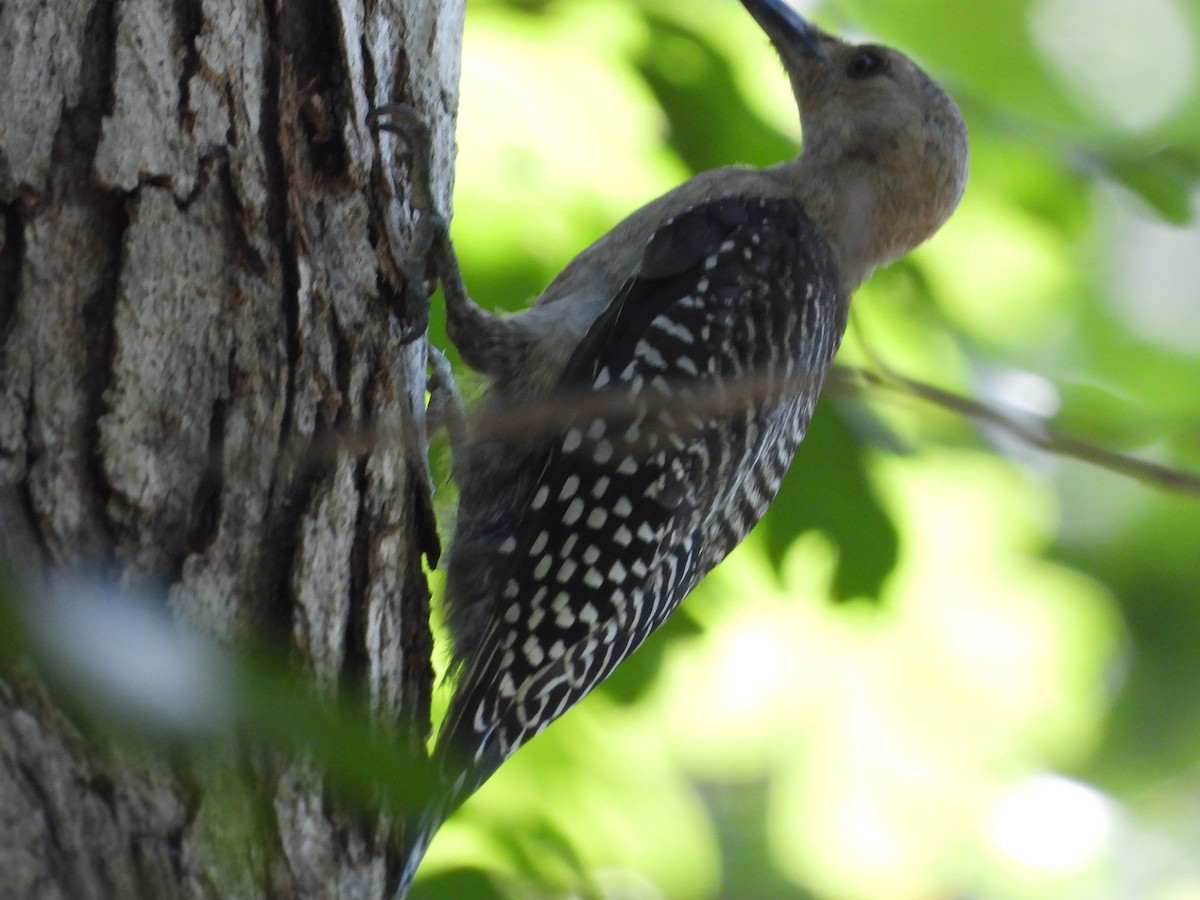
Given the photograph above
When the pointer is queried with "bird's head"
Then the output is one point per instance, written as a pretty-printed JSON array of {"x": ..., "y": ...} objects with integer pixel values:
[{"x": 890, "y": 144}]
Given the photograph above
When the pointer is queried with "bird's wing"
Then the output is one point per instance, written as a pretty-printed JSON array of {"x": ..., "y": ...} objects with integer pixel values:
[{"x": 690, "y": 393}]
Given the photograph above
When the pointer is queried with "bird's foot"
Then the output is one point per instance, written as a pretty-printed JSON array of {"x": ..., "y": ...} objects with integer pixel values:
[{"x": 414, "y": 150}]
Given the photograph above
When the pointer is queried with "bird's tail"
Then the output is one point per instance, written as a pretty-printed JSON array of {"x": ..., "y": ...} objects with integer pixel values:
[
  {"x": 417, "y": 837},
  {"x": 445, "y": 796}
]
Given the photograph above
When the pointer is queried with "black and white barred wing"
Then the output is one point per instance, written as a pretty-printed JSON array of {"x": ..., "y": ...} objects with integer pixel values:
[{"x": 690, "y": 395}]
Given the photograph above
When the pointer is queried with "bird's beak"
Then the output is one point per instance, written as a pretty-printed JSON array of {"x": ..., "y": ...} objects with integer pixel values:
[{"x": 788, "y": 30}]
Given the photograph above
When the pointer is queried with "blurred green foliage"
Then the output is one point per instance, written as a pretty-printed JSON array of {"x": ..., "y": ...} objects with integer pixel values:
[{"x": 946, "y": 664}]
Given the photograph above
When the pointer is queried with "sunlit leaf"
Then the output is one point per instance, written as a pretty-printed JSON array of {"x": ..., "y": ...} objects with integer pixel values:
[{"x": 827, "y": 488}]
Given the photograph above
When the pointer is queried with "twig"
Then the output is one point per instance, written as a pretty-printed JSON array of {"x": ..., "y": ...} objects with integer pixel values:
[{"x": 858, "y": 380}]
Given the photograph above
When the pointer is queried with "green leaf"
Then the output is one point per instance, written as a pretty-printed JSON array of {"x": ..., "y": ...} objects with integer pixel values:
[
  {"x": 828, "y": 488},
  {"x": 1166, "y": 179}
]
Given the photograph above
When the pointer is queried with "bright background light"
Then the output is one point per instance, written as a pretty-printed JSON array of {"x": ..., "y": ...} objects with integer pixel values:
[{"x": 1055, "y": 823}]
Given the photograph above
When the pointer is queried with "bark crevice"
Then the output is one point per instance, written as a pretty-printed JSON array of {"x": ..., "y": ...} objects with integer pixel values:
[
  {"x": 321, "y": 75},
  {"x": 12, "y": 251},
  {"x": 189, "y": 17},
  {"x": 206, "y": 520},
  {"x": 99, "y": 316}
]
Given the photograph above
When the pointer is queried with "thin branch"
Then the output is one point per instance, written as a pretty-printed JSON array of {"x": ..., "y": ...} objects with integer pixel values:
[
  {"x": 541, "y": 419},
  {"x": 859, "y": 380}
]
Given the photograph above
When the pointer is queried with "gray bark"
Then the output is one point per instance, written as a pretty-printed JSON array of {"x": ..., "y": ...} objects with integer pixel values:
[{"x": 198, "y": 355}]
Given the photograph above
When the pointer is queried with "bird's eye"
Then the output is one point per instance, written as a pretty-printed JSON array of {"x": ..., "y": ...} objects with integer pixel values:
[{"x": 866, "y": 63}]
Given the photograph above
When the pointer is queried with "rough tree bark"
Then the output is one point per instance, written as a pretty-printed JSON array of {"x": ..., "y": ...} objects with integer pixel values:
[{"x": 197, "y": 330}]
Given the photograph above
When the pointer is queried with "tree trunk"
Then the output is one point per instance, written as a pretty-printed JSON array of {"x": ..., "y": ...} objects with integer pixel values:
[{"x": 198, "y": 345}]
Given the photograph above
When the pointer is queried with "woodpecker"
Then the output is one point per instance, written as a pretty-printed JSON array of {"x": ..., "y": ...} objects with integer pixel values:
[{"x": 663, "y": 381}]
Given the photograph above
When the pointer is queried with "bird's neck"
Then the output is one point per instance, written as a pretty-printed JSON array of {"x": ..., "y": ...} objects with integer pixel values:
[
  {"x": 843, "y": 205},
  {"x": 848, "y": 201}
]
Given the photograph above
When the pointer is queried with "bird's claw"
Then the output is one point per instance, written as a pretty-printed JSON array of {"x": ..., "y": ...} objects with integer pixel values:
[
  {"x": 404, "y": 121},
  {"x": 416, "y": 139},
  {"x": 414, "y": 326}
]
